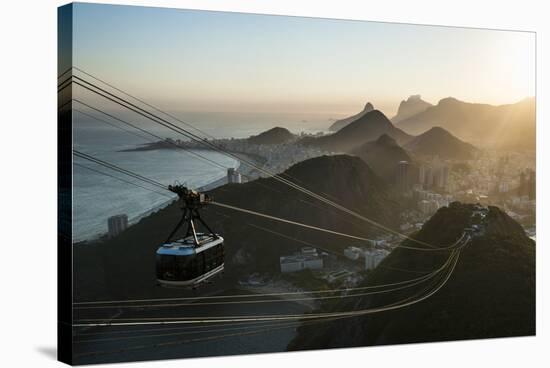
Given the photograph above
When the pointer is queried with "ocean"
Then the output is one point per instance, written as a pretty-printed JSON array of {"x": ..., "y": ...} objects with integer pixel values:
[{"x": 96, "y": 197}]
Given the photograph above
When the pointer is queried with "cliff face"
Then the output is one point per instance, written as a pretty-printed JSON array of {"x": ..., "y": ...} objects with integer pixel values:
[
  {"x": 491, "y": 292},
  {"x": 410, "y": 107},
  {"x": 125, "y": 266},
  {"x": 339, "y": 124}
]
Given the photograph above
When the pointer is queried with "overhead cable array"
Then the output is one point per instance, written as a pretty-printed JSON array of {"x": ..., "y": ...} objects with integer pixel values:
[{"x": 87, "y": 85}]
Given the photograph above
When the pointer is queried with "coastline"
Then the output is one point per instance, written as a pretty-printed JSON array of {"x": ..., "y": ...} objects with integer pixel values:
[{"x": 244, "y": 169}]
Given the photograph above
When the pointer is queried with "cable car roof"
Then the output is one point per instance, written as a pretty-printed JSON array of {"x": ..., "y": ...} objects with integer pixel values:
[{"x": 186, "y": 246}]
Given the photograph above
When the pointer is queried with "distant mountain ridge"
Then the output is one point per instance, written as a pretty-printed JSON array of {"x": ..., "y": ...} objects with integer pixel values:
[
  {"x": 275, "y": 135},
  {"x": 339, "y": 124},
  {"x": 367, "y": 128},
  {"x": 410, "y": 107},
  {"x": 439, "y": 142},
  {"x": 510, "y": 126}
]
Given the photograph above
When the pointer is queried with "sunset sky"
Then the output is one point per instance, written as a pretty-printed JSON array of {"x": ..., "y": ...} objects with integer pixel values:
[{"x": 214, "y": 61}]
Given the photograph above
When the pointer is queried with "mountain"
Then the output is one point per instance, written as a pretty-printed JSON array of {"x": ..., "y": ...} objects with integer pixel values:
[
  {"x": 439, "y": 142},
  {"x": 506, "y": 126},
  {"x": 124, "y": 266},
  {"x": 339, "y": 124},
  {"x": 382, "y": 156},
  {"x": 490, "y": 293},
  {"x": 275, "y": 135},
  {"x": 410, "y": 107},
  {"x": 367, "y": 128}
]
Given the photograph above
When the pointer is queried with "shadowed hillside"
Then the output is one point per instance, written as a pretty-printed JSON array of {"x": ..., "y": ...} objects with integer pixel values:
[
  {"x": 367, "y": 128},
  {"x": 505, "y": 126},
  {"x": 275, "y": 135},
  {"x": 125, "y": 266},
  {"x": 439, "y": 142},
  {"x": 491, "y": 292},
  {"x": 382, "y": 155}
]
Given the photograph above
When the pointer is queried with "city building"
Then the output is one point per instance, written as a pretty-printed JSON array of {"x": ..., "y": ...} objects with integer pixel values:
[
  {"x": 374, "y": 257},
  {"x": 434, "y": 175},
  {"x": 117, "y": 224},
  {"x": 424, "y": 206},
  {"x": 403, "y": 175},
  {"x": 308, "y": 258},
  {"x": 338, "y": 275},
  {"x": 309, "y": 251},
  {"x": 353, "y": 253},
  {"x": 233, "y": 176},
  {"x": 406, "y": 226},
  {"x": 442, "y": 177}
]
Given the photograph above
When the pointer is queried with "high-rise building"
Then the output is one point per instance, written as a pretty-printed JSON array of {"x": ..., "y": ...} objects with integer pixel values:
[
  {"x": 117, "y": 224},
  {"x": 403, "y": 175},
  {"x": 434, "y": 175},
  {"x": 298, "y": 262},
  {"x": 233, "y": 176},
  {"x": 532, "y": 185},
  {"x": 428, "y": 177},
  {"x": 421, "y": 174},
  {"x": 441, "y": 176}
]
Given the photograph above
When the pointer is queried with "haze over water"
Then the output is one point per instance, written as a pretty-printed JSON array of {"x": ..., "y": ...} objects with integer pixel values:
[{"x": 97, "y": 197}]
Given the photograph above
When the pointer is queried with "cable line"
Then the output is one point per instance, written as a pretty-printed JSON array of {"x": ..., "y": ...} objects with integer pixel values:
[
  {"x": 164, "y": 112},
  {"x": 287, "y": 221},
  {"x": 119, "y": 169},
  {"x": 242, "y": 296},
  {"x": 240, "y": 302},
  {"x": 194, "y": 137},
  {"x": 194, "y": 328},
  {"x": 186, "y": 150},
  {"x": 240, "y": 328},
  {"x": 145, "y": 103},
  {"x": 215, "y": 203},
  {"x": 203, "y": 320},
  {"x": 150, "y": 181},
  {"x": 65, "y": 72},
  {"x": 416, "y": 280},
  {"x": 112, "y": 124},
  {"x": 122, "y": 180}
]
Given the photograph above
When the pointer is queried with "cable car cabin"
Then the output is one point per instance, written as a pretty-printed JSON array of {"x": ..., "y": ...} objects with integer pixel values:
[{"x": 183, "y": 263}]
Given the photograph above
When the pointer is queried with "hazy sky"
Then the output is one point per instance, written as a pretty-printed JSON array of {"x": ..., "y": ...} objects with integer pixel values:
[{"x": 214, "y": 61}]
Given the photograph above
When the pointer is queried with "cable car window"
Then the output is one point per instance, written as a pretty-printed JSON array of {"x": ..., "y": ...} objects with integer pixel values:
[
  {"x": 166, "y": 266},
  {"x": 199, "y": 264}
]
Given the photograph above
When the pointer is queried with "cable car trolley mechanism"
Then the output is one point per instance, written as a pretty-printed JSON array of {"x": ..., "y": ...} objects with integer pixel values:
[{"x": 195, "y": 258}]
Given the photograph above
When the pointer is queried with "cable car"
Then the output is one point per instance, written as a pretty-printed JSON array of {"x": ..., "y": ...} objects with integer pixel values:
[{"x": 195, "y": 258}]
